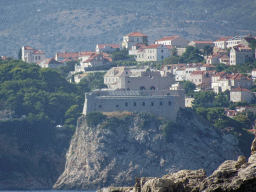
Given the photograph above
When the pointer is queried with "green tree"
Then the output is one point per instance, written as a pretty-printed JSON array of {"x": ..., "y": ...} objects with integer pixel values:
[
  {"x": 215, "y": 114},
  {"x": 221, "y": 100},
  {"x": 191, "y": 55},
  {"x": 203, "y": 99},
  {"x": 171, "y": 60},
  {"x": 95, "y": 118},
  {"x": 208, "y": 50},
  {"x": 243, "y": 119},
  {"x": 20, "y": 54},
  {"x": 189, "y": 87}
]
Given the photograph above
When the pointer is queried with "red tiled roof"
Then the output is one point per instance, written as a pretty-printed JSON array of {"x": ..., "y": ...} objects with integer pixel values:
[
  {"x": 102, "y": 46},
  {"x": 198, "y": 42},
  {"x": 73, "y": 55},
  {"x": 86, "y": 53},
  {"x": 153, "y": 46},
  {"x": 136, "y": 34},
  {"x": 235, "y": 76},
  {"x": 208, "y": 65},
  {"x": 202, "y": 72},
  {"x": 219, "y": 74},
  {"x": 239, "y": 89},
  {"x": 224, "y": 38},
  {"x": 168, "y": 38},
  {"x": 169, "y": 46},
  {"x": 88, "y": 60},
  {"x": 28, "y": 48}
]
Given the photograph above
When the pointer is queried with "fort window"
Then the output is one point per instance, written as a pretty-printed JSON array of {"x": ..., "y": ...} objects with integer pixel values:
[
  {"x": 143, "y": 104},
  {"x": 134, "y": 104},
  {"x": 152, "y": 103},
  {"x": 169, "y": 103},
  {"x": 126, "y": 72},
  {"x": 100, "y": 106},
  {"x": 161, "y": 103},
  {"x": 128, "y": 81},
  {"x": 152, "y": 88},
  {"x": 168, "y": 93},
  {"x": 117, "y": 105},
  {"x": 39, "y": 57},
  {"x": 162, "y": 57},
  {"x": 126, "y": 104},
  {"x": 142, "y": 88}
]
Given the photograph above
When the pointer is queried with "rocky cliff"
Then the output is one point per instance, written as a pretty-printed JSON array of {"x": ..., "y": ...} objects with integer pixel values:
[
  {"x": 35, "y": 168},
  {"x": 235, "y": 176},
  {"x": 114, "y": 155}
]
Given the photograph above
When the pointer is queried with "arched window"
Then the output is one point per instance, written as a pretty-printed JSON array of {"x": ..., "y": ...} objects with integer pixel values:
[
  {"x": 152, "y": 88},
  {"x": 142, "y": 88}
]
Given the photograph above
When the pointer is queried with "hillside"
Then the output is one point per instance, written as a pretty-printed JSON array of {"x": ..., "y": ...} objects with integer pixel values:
[{"x": 57, "y": 26}]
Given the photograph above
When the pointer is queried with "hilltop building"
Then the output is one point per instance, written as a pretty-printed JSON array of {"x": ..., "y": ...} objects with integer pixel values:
[
  {"x": 31, "y": 55},
  {"x": 241, "y": 94},
  {"x": 133, "y": 38},
  {"x": 201, "y": 44},
  {"x": 222, "y": 42},
  {"x": 66, "y": 56}
]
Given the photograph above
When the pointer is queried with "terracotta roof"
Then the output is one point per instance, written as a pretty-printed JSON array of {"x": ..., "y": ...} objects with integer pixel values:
[
  {"x": 168, "y": 38},
  {"x": 169, "y": 46},
  {"x": 249, "y": 38},
  {"x": 73, "y": 55},
  {"x": 28, "y": 48},
  {"x": 85, "y": 53},
  {"x": 102, "y": 46},
  {"x": 224, "y": 38},
  {"x": 224, "y": 57},
  {"x": 202, "y": 72},
  {"x": 153, "y": 46},
  {"x": 88, "y": 60},
  {"x": 239, "y": 89},
  {"x": 117, "y": 71},
  {"x": 136, "y": 34},
  {"x": 208, "y": 65},
  {"x": 219, "y": 74}
]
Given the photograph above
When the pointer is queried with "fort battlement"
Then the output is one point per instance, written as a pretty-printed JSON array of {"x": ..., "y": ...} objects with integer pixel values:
[{"x": 164, "y": 103}]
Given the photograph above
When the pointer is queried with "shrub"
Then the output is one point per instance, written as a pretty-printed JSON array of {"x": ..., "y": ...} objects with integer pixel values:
[
  {"x": 146, "y": 118},
  {"x": 95, "y": 118}
]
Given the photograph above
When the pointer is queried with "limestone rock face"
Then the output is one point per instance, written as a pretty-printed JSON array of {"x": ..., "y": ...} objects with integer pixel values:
[
  {"x": 103, "y": 157},
  {"x": 235, "y": 176}
]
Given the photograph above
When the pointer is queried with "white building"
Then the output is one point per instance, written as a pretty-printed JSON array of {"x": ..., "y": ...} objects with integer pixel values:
[
  {"x": 174, "y": 41},
  {"x": 153, "y": 52},
  {"x": 135, "y": 48},
  {"x": 31, "y": 55},
  {"x": 241, "y": 94},
  {"x": 222, "y": 42},
  {"x": 234, "y": 41},
  {"x": 201, "y": 44}
]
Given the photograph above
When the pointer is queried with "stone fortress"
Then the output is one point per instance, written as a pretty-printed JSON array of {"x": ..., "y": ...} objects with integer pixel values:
[{"x": 137, "y": 91}]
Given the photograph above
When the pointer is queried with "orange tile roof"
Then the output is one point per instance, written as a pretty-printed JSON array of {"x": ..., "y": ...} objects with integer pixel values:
[
  {"x": 239, "y": 89},
  {"x": 224, "y": 38},
  {"x": 168, "y": 38},
  {"x": 102, "y": 46},
  {"x": 49, "y": 61},
  {"x": 198, "y": 42},
  {"x": 86, "y": 53},
  {"x": 28, "y": 48},
  {"x": 219, "y": 74},
  {"x": 136, "y": 34},
  {"x": 235, "y": 76}
]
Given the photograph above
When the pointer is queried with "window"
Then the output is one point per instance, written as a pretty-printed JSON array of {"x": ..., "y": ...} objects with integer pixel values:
[
  {"x": 143, "y": 104},
  {"x": 117, "y": 105},
  {"x": 169, "y": 103},
  {"x": 128, "y": 81},
  {"x": 126, "y": 104},
  {"x": 39, "y": 57},
  {"x": 162, "y": 57},
  {"x": 161, "y": 103},
  {"x": 100, "y": 106},
  {"x": 152, "y": 103},
  {"x": 199, "y": 80},
  {"x": 126, "y": 72},
  {"x": 134, "y": 104},
  {"x": 152, "y": 88},
  {"x": 36, "y": 57},
  {"x": 162, "y": 51},
  {"x": 142, "y": 88}
]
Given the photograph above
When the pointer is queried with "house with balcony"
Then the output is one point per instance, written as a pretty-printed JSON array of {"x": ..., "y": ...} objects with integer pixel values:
[{"x": 133, "y": 38}]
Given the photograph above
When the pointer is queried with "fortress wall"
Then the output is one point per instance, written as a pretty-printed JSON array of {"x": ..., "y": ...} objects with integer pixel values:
[{"x": 164, "y": 106}]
